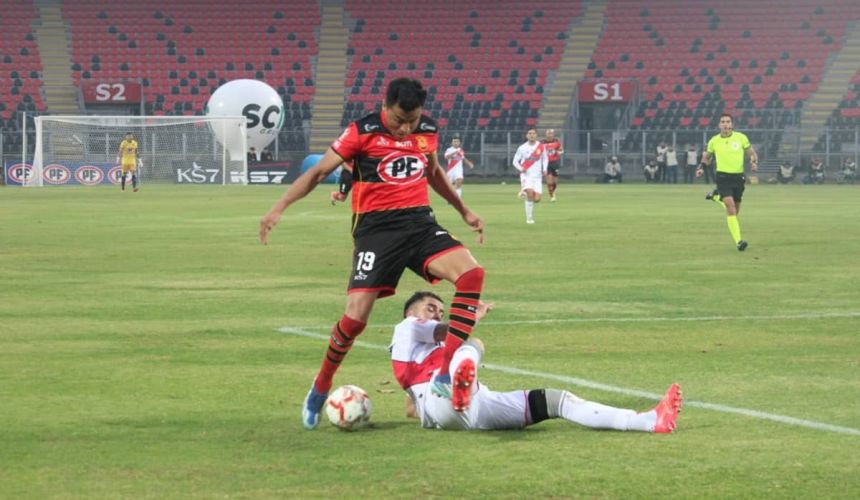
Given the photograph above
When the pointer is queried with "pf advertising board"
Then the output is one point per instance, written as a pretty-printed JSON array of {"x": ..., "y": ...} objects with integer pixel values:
[{"x": 66, "y": 173}]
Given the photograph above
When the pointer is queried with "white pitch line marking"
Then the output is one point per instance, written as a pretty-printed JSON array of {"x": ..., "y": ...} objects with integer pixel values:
[
  {"x": 776, "y": 317},
  {"x": 799, "y": 422}
]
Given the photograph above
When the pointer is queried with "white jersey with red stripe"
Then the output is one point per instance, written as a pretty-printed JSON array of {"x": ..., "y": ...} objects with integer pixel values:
[
  {"x": 416, "y": 356},
  {"x": 455, "y": 157},
  {"x": 414, "y": 351},
  {"x": 531, "y": 160}
]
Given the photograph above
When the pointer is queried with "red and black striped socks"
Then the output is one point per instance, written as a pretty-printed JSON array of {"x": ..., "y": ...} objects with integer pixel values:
[
  {"x": 461, "y": 318},
  {"x": 343, "y": 334}
]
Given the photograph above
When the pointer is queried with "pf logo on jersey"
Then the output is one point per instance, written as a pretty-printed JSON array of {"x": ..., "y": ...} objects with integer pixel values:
[{"x": 402, "y": 168}]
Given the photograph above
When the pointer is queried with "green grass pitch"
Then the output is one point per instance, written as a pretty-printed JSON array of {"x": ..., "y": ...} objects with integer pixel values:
[{"x": 141, "y": 357}]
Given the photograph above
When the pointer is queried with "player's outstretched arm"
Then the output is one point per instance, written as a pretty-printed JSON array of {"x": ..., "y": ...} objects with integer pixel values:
[
  {"x": 298, "y": 190},
  {"x": 439, "y": 182}
]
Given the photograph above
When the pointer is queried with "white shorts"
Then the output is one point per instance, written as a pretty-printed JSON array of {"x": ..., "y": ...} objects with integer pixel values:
[
  {"x": 455, "y": 173},
  {"x": 488, "y": 410},
  {"x": 531, "y": 181}
]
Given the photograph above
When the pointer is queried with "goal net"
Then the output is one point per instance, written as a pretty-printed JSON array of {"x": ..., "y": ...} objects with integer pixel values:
[{"x": 175, "y": 149}]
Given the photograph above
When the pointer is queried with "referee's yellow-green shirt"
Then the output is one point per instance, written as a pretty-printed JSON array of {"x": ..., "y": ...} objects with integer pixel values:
[{"x": 729, "y": 152}]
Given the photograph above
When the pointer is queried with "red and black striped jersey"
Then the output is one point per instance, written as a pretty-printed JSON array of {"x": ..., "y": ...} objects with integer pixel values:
[
  {"x": 389, "y": 175},
  {"x": 552, "y": 149}
]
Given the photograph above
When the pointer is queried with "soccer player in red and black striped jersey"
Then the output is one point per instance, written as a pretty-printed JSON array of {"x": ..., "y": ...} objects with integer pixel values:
[
  {"x": 553, "y": 156},
  {"x": 393, "y": 153}
]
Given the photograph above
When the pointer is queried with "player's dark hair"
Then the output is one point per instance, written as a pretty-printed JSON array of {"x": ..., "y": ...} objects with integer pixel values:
[
  {"x": 729, "y": 115},
  {"x": 417, "y": 297},
  {"x": 408, "y": 93}
]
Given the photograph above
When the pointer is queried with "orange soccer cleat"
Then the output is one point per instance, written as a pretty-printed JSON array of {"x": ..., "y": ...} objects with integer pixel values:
[
  {"x": 667, "y": 410},
  {"x": 461, "y": 390}
]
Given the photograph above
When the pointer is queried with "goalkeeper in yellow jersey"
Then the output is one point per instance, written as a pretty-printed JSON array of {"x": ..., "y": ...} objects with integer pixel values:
[{"x": 129, "y": 159}]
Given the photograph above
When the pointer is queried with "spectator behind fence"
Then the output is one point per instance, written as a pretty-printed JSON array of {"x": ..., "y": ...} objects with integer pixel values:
[
  {"x": 661, "y": 160},
  {"x": 671, "y": 173},
  {"x": 266, "y": 155},
  {"x": 785, "y": 174},
  {"x": 612, "y": 171},
  {"x": 691, "y": 164},
  {"x": 815, "y": 175},
  {"x": 849, "y": 172},
  {"x": 650, "y": 170}
]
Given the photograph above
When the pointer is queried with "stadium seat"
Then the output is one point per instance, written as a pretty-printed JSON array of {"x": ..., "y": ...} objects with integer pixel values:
[
  {"x": 20, "y": 66},
  {"x": 174, "y": 43},
  {"x": 476, "y": 56},
  {"x": 747, "y": 51}
]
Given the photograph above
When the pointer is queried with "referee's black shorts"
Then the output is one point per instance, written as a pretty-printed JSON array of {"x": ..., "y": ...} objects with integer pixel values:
[{"x": 731, "y": 185}]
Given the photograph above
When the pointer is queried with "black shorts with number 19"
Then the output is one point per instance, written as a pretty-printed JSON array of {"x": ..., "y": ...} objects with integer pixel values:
[{"x": 411, "y": 240}]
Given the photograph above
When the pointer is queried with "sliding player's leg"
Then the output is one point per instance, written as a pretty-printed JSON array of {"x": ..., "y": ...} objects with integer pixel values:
[
  {"x": 661, "y": 419},
  {"x": 458, "y": 266}
]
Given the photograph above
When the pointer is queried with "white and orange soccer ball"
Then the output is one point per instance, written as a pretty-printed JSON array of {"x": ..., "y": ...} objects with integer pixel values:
[{"x": 348, "y": 407}]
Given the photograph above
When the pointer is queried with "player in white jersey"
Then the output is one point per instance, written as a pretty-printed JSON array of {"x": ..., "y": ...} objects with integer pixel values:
[
  {"x": 416, "y": 355},
  {"x": 531, "y": 162},
  {"x": 456, "y": 157}
]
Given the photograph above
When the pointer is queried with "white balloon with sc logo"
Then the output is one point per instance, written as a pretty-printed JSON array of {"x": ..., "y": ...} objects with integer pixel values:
[{"x": 259, "y": 103}]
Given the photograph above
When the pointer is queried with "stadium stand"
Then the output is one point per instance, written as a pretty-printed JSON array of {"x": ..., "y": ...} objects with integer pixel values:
[
  {"x": 21, "y": 70},
  {"x": 490, "y": 52},
  {"x": 486, "y": 64},
  {"x": 694, "y": 60},
  {"x": 183, "y": 50},
  {"x": 845, "y": 119}
]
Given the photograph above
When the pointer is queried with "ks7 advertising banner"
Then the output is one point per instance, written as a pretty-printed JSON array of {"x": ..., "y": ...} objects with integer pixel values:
[{"x": 276, "y": 172}]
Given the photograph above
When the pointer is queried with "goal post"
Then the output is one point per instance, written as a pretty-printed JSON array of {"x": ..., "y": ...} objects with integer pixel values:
[{"x": 173, "y": 149}]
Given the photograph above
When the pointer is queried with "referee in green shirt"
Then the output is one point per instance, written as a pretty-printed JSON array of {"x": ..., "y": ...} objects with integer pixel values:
[{"x": 729, "y": 148}]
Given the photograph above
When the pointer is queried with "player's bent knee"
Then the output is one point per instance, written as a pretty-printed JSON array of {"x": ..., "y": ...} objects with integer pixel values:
[{"x": 473, "y": 279}]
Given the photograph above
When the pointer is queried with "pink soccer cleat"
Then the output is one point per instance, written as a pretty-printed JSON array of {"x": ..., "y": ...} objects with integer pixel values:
[
  {"x": 667, "y": 410},
  {"x": 461, "y": 390}
]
